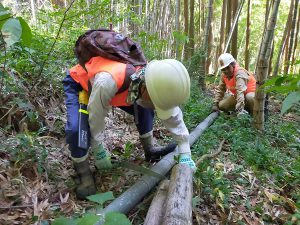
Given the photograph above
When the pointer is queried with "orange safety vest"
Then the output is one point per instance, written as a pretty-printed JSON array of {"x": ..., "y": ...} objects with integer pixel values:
[
  {"x": 100, "y": 64},
  {"x": 230, "y": 84}
]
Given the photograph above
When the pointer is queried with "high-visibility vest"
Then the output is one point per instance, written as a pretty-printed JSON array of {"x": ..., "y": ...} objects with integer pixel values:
[
  {"x": 230, "y": 84},
  {"x": 100, "y": 64}
]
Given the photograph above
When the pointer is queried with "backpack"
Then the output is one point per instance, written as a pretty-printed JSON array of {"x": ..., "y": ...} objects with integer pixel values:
[{"x": 108, "y": 44}]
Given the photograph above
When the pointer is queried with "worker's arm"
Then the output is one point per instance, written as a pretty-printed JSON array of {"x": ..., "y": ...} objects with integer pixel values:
[
  {"x": 242, "y": 79},
  {"x": 220, "y": 91},
  {"x": 104, "y": 89},
  {"x": 180, "y": 133}
]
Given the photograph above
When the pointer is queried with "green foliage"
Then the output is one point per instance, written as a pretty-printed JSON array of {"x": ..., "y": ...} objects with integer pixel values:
[
  {"x": 101, "y": 198},
  {"x": 110, "y": 218},
  {"x": 286, "y": 84},
  {"x": 13, "y": 30},
  {"x": 25, "y": 149},
  {"x": 193, "y": 63}
]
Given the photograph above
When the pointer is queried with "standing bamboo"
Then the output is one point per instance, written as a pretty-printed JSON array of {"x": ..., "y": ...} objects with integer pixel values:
[
  {"x": 296, "y": 42},
  {"x": 247, "y": 48},
  {"x": 186, "y": 27},
  {"x": 283, "y": 40},
  {"x": 222, "y": 34},
  {"x": 177, "y": 26},
  {"x": 262, "y": 69},
  {"x": 191, "y": 28},
  {"x": 235, "y": 31},
  {"x": 203, "y": 59},
  {"x": 292, "y": 35}
]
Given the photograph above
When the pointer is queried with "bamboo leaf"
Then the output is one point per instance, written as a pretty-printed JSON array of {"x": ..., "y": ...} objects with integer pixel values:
[{"x": 102, "y": 197}]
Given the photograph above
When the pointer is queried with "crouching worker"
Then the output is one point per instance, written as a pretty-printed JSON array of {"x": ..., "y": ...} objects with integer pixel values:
[
  {"x": 240, "y": 84},
  {"x": 161, "y": 85}
]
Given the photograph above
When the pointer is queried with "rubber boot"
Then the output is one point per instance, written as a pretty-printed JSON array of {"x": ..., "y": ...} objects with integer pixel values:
[
  {"x": 154, "y": 153},
  {"x": 85, "y": 180}
]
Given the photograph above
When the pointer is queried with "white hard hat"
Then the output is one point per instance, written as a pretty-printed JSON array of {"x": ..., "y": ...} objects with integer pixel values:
[
  {"x": 168, "y": 85},
  {"x": 224, "y": 60}
]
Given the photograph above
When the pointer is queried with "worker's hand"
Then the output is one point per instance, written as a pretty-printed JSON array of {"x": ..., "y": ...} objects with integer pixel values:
[
  {"x": 242, "y": 113},
  {"x": 102, "y": 158},
  {"x": 187, "y": 159},
  {"x": 215, "y": 108}
]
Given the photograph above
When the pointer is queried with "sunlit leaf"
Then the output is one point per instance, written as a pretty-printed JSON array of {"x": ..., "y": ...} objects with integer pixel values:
[
  {"x": 289, "y": 101},
  {"x": 114, "y": 218},
  {"x": 26, "y": 32},
  {"x": 63, "y": 221},
  {"x": 11, "y": 31},
  {"x": 102, "y": 197},
  {"x": 279, "y": 81},
  {"x": 88, "y": 219}
]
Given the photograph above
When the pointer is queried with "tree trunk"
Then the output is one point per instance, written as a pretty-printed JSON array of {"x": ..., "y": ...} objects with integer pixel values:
[
  {"x": 157, "y": 208},
  {"x": 178, "y": 205},
  {"x": 228, "y": 18},
  {"x": 262, "y": 69},
  {"x": 247, "y": 47},
  {"x": 154, "y": 16},
  {"x": 268, "y": 9},
  {"x": 32, "y": 6},
  {"x": 202, "y": 4},
  {"x": 192, "y": 28},
  {"x": 222, "y": 34},
  {"x": 292, "y": 35},
  {"x": 283, "y": 41},
  {"x": 186, "y": 27},
  {"x": 177, "y": 26},
  {"x": 203, "y": 58},
  {"x": 235, "y": 22},
  {"x": 235, "y": 31},
  {"x": 296, "y": 42}
]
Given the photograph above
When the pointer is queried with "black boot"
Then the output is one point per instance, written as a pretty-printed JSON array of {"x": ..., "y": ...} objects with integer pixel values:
[
  {"x": 153, "y": 153},
  {"x": 85, "y": 182}
]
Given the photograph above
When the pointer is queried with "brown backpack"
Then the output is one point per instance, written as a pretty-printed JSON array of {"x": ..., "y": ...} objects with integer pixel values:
[{"x": 108, "y": 44}]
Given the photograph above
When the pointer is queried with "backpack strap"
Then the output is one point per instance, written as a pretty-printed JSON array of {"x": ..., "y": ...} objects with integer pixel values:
[{"x": 130, "y": 69}]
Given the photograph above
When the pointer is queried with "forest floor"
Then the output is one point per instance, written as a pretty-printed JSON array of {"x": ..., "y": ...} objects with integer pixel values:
[{"x": 37, "y": 186}]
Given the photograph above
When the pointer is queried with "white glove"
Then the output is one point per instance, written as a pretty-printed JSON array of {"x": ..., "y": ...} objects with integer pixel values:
[
  {"x": 243, "y": 112},
  {"x": 102, "y": 158},
  {"x": 186, "y": 159}
]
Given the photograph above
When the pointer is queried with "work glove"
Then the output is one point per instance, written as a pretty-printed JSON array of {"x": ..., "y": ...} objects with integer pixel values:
[
  {"x": 102, "y": 158},
  {"x": 215, "y": 108},
  {"x": 242, "y": 113},
  {"x": 186, "y": 159}
]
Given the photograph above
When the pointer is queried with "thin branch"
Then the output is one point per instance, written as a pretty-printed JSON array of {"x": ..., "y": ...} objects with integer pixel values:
[
  {"x": 212, "y": 155},
  {"x": 8, "y": 112},
  {"x": 52, "y": 47},
  {"x": 4, "y": 64}
]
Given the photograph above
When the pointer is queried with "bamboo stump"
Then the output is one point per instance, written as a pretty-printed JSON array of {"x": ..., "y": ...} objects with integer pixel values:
[
  {"x": 178, "y": 206},
  {"x": 156, "y": 211}
]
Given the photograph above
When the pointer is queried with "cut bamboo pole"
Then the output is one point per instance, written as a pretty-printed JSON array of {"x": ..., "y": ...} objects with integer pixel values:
[
  {"x": 157, "y": 209},
  {"x": 130, "y": 198},
  {"x": 178, "y": 206}
]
